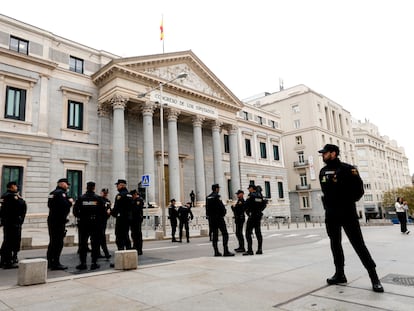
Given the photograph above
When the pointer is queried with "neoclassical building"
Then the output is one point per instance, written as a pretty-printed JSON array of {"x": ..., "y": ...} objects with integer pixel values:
[{"x": 68, "y": 110}]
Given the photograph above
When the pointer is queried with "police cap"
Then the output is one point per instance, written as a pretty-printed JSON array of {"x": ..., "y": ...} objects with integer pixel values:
[
  {"x": 215, "y": 186},
  {"x": 65, "y": 180},
  {"x": 239, "y": 191},
  {"x": 121, "y": 181},
  {"x": 12, "y": 183},
  {"x": 329, "y": 148}
]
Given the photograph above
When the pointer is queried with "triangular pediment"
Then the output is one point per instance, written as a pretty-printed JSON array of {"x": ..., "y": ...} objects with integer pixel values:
[{"x": 150, "y": 70}]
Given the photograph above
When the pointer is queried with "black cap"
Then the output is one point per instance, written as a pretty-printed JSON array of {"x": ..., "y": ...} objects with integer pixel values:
[
  {"x": 172, "y": 200},
  {"x": 239, "y": 191},
  {"x": 63, "y": 180},
  {"x": 133, "y": 191},
  {"x": 90, "y": 184},
  {"x": 252, "y": 186},
  {"x": 105, "y": 190},
  {"x": 215, "y": 186},
  {"x": 121, "y": 181},
  {"x": 9, "y": 184},
  {"x": 329, "y": 148}
]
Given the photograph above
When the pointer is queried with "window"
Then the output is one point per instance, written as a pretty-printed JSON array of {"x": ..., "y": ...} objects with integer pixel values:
[
  {"x": 229, "y": 189},
  {"x": 303, "y": 180},
  {"x": 273, "y": 124},
  {"x": 298, "y": 140},
  {"x": 76, "y": 64},
  {"x": 305, "y": 202},
  {"x": 296, "y": 124},
  {"x": 276, "y": 156},
  {"x": 226, "y": 143},
  {"x": 259, "y": 120},
  {"x": 367, "y": 197},
  {"x": 295, "y": 109},
  {"x": 301, "y": 157},
  {"x": 263, "y": 153},
  {"x": 245, "y": 115},
  {"x": 75, "y": 115},
  {"x": 11, "y": 173},
  {"x": 15, "y": 103},
  {"x": 248, "y": 147},
  {"x": 75, "y": 179},
  {"x": 280, "y": 189},
  {"x": 267, "y": 189},
  {"x": 19, "y": 45}
]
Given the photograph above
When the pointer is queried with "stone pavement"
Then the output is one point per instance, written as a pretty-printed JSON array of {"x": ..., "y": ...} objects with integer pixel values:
[{"x": 288, "y": 278}]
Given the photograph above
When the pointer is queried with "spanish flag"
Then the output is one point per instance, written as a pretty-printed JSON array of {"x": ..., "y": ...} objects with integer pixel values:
[{"x": 162, "y": 29}]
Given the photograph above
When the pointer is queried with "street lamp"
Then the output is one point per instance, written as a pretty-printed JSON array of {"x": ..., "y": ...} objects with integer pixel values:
[{"x": 162, "y": 188}]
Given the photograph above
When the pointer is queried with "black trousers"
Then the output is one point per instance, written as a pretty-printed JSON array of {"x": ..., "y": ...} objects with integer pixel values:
[
  {"x": 239, "y": 230},
  {"x": 136, "y": 234},
  {"x": 254, "y": 222},
  {"x": 402, "y": 218},
  {"x": 57, "y": 233},
  {"x": 184, "y": 225},
  {"x": 353, "y": 231},
  {"x": 12, "y": 234},
  {"x": 122, "y": 239},
  {"x": 216, "y": 225},
  {"x": 85, "y": 232},
  {"x": 173, "y": 227}
]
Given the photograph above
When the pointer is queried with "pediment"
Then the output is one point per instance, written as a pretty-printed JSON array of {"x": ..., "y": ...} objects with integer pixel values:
[{"x": 151, "y": 70}]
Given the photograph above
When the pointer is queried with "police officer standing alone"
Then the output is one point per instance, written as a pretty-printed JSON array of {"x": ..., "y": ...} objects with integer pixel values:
[
  {"x": 215, "y": 211},
  {"x": 122, "y": 211},
  {"x": 342, "y": 187},
  {"x": 173, "y": 215},
  {"x": 91, "y": 211},
  {"x": 255, "y": 204},
  {"x": 12, "y": 214},
  {"x": 184, "y": 215},
  {"x": 239, "y": 219},
  {"x": 137, "y": 217},
  {"x": 59, "y": 207}
]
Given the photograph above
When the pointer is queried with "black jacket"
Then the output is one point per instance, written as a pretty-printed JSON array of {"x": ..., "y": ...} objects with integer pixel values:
[
  {"x": 13, "y": 209},
  {"x": 215, "y": 208},
  {"x": 90, "y": 209},
  {"x": 59, "y": 206}
]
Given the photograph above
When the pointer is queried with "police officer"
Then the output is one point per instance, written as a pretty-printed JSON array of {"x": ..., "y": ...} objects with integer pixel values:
[
  {"x": 173, "y": 215},
  {"x": 184, "y": 215},
  {"x": 342, "y": 187},
  {"x": 91, "y": 211},
  {"x": 122, "y": 211},
  {"x": 59, "y": 207},
  {"x": 137, "y": 217},
  {"x": 215, "y": 211},
  {"x": 255, "y": 204},
  {"x": 239, "y": 219},
  {"x": 104, "y": 196},
  {"x": 13, "y": 211}
]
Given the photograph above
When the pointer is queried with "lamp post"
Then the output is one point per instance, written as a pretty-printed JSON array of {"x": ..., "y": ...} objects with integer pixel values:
[{"x": 162, "y": 188}]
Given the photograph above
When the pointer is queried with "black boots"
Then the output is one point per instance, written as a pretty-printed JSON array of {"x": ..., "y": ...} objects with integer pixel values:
[
  {"x": 337, "y": 278},
  {"x": 376, "y": 284}
]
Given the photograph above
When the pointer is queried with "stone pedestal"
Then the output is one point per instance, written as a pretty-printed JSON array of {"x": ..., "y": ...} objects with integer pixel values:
[
  {"x": 69, "y": 240},
  {"x": 26, "y": 243},
  {"x": 204, "y": 232},
  {"x": 126, "y": 259},
  {"x": 32, "y": 271},
  {"x": 159, "y": 235}
]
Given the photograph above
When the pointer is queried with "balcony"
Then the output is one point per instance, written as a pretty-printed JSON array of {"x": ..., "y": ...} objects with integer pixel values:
[
  {"x": 299, "y": 164},
  {"x": 303, "y": 187}
]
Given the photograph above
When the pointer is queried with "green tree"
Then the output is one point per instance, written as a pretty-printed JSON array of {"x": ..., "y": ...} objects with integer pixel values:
[{"x": 407, "y": 193}]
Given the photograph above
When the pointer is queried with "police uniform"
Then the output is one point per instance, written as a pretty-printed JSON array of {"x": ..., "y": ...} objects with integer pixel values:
[
  {"x": 122, "y": 211},
  {"x": 104, "y": 223},
  {"x": 215, "y": 212},
  {"x": 239, "y": 219},
  {"x": 342, "y": 187},
  {"x": 90, "y": 210},
  {"x": 173, "y": 215},
  {"x": 13, "y": 211},
  {"x": 184, "y": 214},
  {"x": 59, "y": 207},
  {"x": 254, "y": 206},
  {"x": 137, "y": 216}
]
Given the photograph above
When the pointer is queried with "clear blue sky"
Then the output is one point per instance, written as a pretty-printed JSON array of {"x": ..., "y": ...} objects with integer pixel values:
[{"x": 360, "y": 54}]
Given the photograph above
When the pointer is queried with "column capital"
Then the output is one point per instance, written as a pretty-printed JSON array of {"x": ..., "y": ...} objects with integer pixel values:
[
  {"x": 232, "y": 128},
  {"x": 118, "y": 101},
  {"x": 198, "y": 120},
  {"x": 148, "y": 108},
  {"x": 216, "y": 125},
  {"x": 103, "y": 109},
  {"x": 173, "y": 114}
]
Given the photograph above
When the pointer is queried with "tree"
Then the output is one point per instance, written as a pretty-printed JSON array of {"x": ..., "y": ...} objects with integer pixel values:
[{"x": 391, "y": 196}]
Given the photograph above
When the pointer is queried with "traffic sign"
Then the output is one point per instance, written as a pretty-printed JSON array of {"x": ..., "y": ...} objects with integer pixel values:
[{"x": 145, "y": 180}]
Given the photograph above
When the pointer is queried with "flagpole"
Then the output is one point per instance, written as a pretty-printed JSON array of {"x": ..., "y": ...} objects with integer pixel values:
[{"x": 162, "y": 32}]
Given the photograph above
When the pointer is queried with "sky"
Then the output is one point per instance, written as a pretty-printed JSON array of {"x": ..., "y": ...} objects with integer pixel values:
[{"x": 358, "y": 53}]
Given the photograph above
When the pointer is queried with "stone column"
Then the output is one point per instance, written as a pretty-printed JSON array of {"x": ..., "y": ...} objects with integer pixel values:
[
  {"x": 148, "y": 148},
  {"x": 173, "y": 156},
  {"x": 217, "y": 154},
  {"x": 118, "y": 137},
  {"x": 234, "y": 158},
  {"x": 200, "y": 179}
]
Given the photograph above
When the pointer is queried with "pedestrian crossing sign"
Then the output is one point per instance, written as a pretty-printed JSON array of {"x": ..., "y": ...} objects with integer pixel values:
[{"x": 145, "y": 181}]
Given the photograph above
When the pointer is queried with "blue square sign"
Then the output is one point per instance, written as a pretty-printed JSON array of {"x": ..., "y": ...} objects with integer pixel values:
[{"x": 145, "y": 181}]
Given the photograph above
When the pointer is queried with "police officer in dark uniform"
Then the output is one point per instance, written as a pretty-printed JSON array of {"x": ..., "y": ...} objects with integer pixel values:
[
  {"x": 59, "y": 207},
  {"x": 255, "y": 204},
  {"x": 136, "y": 221},
  {"x": 104, "y": 246},
  {"x": 12, "y": 214},
  {"x": 173, "y": 215},
  {"x": 215, "y": 212},
  {"x": 239, "y": 219},
  {"x": 90, "y": 210},
  {"x": 342, "y": 187},
  {"x": 122, "y": 211},
  {"x": 184, "y": 215}
]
